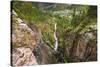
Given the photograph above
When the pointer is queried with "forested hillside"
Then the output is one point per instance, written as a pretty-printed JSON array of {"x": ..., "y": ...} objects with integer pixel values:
[{"x": 54, "y": 33}]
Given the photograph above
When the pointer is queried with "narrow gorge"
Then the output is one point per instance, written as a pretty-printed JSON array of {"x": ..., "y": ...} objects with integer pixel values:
[{"x": 49, "y": 33}]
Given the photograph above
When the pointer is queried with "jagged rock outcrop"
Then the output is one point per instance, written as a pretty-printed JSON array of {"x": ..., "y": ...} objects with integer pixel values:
[
  {"x": 23, "y": 57},
  {"x": 82, "y": 47},
  {"x": 24, "y": 40},
  {"x": 22, "y": 34},
  {"x": 27, "y": 45}
]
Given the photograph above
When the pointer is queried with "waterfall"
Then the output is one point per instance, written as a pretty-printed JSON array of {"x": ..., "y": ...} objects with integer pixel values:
[{"x": 55, "y": 38}]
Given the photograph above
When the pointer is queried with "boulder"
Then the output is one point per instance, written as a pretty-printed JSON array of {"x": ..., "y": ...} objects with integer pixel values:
[{"x": 23, "y": 57}]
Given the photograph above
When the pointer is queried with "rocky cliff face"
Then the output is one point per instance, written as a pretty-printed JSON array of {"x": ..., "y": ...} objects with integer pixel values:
[
  {"x": 24, "y": 40},
  {"x": 27, "y": 45},
  {"x": 82, "y": 47},
  {"x": 22, "y": 34}
]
